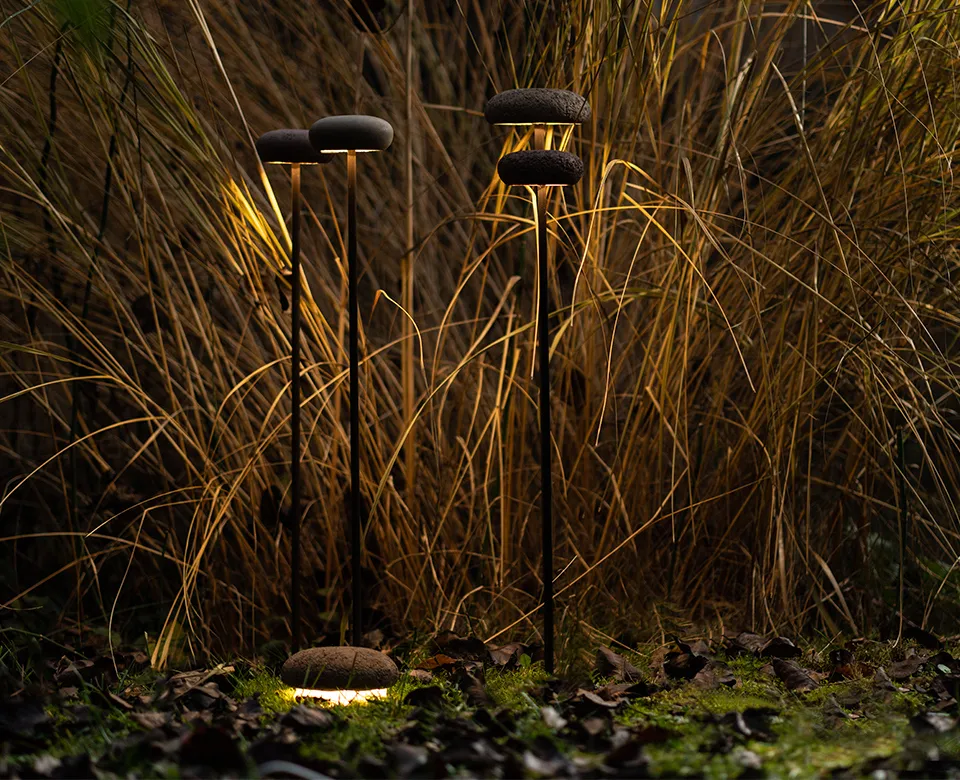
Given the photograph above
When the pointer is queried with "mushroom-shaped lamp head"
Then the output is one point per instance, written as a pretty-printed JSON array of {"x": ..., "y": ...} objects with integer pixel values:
[
  {"x": 539, "y": 168},
  {"x": 339, "y": 674},
  {"x": 351, "y": 133},
  {"x": 537, "y": 107},
  {"x": 287, "y": 147}
]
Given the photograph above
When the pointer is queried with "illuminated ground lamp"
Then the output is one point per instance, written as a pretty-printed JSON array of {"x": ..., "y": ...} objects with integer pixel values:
[
  {"x": 538, "y": 169},
  {"x": 341, "y": 675},
  {"x": 293, "y": 148},
  {"x": 352, "y": 135}
]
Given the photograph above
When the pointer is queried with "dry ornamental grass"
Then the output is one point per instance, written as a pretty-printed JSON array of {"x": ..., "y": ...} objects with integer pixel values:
[{"x": 754, "y": 319}]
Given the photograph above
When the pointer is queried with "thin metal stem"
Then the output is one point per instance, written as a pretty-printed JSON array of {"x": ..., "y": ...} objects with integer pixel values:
[
  {"x": 357, "y": 632},
  {"x": 407, "y": 277},
  {"x": 295, "y": 411},
  {"x": 546, "y": 471}
]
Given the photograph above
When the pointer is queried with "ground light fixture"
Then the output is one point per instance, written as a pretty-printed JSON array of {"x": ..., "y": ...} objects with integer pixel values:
[
  {"x": 341, "y": 675},
  {"x": 353, "y": 135},
  {"x": 538, "y": 169},
  {"x": 293, "y": 148}
]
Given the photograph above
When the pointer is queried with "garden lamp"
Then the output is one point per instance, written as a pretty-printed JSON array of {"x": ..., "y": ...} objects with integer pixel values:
[
  {"x": 537, "y": 107},
  {"x": 293, "y": 148},
  {"x": 538, "y": 169},
  {"x": 353, "y": 135},
  {"x": 341, "y": 675}
]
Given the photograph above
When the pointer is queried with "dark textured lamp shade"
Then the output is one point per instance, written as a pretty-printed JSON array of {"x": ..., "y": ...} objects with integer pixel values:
[
  {"x": 540, "y": 167},
  {"x": 537, "y": 107},
  {"x": 339, "y": 674},
  {"x": 287, "y": 147},
  {"x": 351, "y": 132}
]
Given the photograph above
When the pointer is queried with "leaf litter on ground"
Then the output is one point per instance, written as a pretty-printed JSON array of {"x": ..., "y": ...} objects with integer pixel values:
[{"x": 739, "y": 705}]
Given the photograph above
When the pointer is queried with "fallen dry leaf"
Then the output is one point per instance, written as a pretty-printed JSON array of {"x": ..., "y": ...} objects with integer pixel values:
[
  {"x": 215, "y": 748},
  {"x": 744, "y": 643},
  {"x": 439, "y": 661},
  {"x": 780, "y": 647},
  {"x": 793, "y": 676},
  {"x": 625, "y": 690},
  {"x": 683, "y": 663},
  {"x": 509, "y": 655},
  {"x": 714, "y": 675},
  {"x": 470, "y": 648},
  {"x": 472, "y": 688},
  {"x": 609, "y": 663},
  {"x": 307, "y": 719},
  {"x": 552, "y": 718},
  {"x": 150, "y": 720},
  {"x": 430, "y": 696},
  {"x": 901, "y": 670},
  {"x": 421, "y": 675}
]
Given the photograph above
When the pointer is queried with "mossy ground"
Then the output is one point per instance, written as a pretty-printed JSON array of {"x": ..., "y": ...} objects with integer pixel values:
[
  {"x": 808, "y": 738},
  {"x": 842, "y": 726}
]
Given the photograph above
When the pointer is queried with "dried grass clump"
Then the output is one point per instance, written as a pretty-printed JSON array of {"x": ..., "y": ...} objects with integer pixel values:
[{"x": 753, "y": 304}]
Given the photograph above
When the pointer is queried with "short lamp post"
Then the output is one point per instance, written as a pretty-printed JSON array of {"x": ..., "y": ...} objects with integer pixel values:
[
  {"x": 352, "y": 135},
  {"x": 293, "y": 148},
  {"x": 538, "y": 169}
]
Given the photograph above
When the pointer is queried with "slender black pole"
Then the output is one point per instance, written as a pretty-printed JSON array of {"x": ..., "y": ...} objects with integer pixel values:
[
  {"x": 357, "y": 631},
  {"x": 546, "y": 472},
  {"x": 295, "y": 412}
]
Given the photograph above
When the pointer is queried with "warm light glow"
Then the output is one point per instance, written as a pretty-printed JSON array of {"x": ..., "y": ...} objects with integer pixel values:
[
  {"x": 245, "y": 217},
  {"x": 341, "y": 697},
  {"x": 346, "y": 151}
]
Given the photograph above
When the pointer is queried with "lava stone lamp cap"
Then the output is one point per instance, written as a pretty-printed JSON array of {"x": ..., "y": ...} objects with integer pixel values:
[
  {"x": 287, "y": 147},
  {"x": 537, "y": 107},
  {"x": 339, "y": 668},
  {"x": 540, "y": 167},
  {"x": 352, "y": 132}
]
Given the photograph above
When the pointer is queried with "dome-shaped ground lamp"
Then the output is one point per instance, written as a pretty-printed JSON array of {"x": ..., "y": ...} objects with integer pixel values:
[
  {"x": 352, "y": 135},
  {"x": 293, "y": 148},
  {"x": 341, "y": 675}
]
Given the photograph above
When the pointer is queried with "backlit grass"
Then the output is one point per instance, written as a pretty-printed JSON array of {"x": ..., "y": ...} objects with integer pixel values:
[{"x": 753, "y": 318}]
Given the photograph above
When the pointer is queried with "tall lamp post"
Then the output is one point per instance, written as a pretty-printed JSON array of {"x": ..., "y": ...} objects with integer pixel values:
[
  {"x": 538, "y": 169},
  {"x": 293, "y": 148},
  {"x": 352, "y": 135}
]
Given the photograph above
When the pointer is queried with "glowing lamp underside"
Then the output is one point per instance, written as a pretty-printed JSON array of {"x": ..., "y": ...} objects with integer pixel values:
[{"x": 341, "y": 697}]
